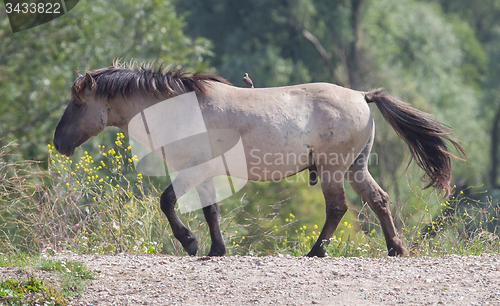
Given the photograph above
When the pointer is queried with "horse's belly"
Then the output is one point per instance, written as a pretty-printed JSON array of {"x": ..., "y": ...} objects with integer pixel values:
[{"x": 267, "y": 164}]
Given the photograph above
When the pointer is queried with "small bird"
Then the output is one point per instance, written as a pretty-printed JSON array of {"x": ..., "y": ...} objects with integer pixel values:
[{"x": 247, "y": 80}]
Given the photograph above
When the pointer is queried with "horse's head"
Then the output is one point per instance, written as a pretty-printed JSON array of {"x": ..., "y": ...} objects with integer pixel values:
[{"x": 85, "y": 116}]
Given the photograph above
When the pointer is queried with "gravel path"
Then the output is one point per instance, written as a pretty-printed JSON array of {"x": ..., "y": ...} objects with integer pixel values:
[{"x": 286, "y": 280}]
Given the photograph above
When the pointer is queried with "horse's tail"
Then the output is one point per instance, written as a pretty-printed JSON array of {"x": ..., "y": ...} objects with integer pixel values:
[{"x": 424, "y": 136}]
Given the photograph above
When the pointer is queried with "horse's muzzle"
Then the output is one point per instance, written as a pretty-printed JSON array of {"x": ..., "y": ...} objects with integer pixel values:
[
  {"x": 66, "y": 150},
  {"x": 65, "y": 143}
]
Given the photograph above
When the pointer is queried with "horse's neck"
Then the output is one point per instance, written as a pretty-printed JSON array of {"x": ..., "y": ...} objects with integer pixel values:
[{"x": 124, "y": 109}]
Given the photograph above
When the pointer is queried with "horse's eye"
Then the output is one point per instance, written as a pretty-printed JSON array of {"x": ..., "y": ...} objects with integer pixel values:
[{"x": 77, "y": 105}]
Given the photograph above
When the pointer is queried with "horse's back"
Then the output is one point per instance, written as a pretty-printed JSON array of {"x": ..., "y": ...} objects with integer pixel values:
[{"x": 282, "y": 100}]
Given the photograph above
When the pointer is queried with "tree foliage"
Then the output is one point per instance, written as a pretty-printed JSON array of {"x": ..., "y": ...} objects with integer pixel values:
[
  {"x": 439, "y": 55},
  {"x": 414, "y": 49},
  {"x": 37, "y": 66}
]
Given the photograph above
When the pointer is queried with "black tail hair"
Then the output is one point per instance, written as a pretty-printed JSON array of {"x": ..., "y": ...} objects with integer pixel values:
[{"x": 423, "y": 134}]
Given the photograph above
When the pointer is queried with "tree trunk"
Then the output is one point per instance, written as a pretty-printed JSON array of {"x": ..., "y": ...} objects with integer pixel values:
[
  {"x": 352, "y": 57},
  {"x": 494, "y": 150}
]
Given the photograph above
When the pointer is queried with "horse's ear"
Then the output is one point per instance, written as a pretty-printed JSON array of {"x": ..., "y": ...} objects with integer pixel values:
[
  {"x": 90, "y": 80},
  {"x": 77, "y": 73}
]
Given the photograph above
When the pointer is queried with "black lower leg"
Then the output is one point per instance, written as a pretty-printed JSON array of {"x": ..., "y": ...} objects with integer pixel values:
[
  {"x": 212, "y": 216},
  {"x": 185, "y": 237},
  {"x": 333, "y": 218}
]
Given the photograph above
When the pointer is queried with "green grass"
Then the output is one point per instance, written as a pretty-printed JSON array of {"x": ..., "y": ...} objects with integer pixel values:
[
  {"x": 100, "y": 205},
  {"x": 31, "y": 290},
  {"x": 460, "y": 226},
  {"x": 74, "y": 275}
]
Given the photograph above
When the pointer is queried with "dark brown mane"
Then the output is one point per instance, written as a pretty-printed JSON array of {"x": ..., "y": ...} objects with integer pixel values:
[{"x": 115, "y": 80}]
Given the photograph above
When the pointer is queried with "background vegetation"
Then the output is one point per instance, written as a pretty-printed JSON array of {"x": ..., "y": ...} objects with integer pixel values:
[{"x": 439, "y": 55}]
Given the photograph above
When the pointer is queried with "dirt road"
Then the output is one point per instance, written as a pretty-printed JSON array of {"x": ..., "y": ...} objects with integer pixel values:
[{"x": 285, "y": 280}]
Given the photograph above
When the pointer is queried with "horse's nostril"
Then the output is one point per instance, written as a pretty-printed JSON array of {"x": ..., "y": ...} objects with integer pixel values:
[{"x": 56, "y": 146}]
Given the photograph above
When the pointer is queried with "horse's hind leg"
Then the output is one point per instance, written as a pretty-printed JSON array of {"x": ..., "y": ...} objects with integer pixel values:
[
  {"x": 336, "y": 207},
  {"x": 206, "y": 192},
  {"x": 363, "y": 183}
]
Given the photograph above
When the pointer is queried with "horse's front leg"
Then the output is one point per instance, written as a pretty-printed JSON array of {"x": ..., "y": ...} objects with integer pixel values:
[
  {"x": 186, "y": 238},
  {"x": 185, "y": 181},
  {"x": 206, "y": 192}
]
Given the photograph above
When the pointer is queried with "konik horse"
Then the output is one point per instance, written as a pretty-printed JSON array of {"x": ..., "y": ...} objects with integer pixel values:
[{"x": 319, "y": 118}]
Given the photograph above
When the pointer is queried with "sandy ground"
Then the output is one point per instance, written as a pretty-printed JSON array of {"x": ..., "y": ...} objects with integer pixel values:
[{"x": 286, "y": 280}]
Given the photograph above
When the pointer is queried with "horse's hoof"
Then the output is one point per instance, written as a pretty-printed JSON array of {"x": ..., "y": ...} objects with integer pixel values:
[
  {"x": 215, "y": 254},
  {"x": 397, "y": 249},
  {"x": 191, "y": 246},
  {"x": 397, "y": 252},
  {"x": 317, "y": 251},
  {"x": 217, "y": 251}
]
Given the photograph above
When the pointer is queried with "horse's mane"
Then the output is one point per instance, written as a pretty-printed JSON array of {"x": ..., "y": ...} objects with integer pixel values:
[{"x": 127, "y": 81}]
